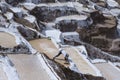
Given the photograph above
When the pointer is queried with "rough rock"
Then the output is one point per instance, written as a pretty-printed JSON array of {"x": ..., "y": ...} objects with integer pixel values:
[
  {"x": 20, "y": 49},
  {"x": 66, "y": 0},
  {"x": 3, "y": 7},
  {"x": 101, "y": 3},
  {"x": 27, "y": 21},
  {"x": 115, "y": 45},
  {"x": 40, "y": 1},
  {"x": 71, "y": 23},
  {"x": 96, "y": 53},
  {"x": 14, "y": 2},
  {"x": 45, "y": 13},
  {"x": 70, "y": 38},
  {"x": 100, "y": 42},
  {"x": 27, "y": 33},
  {"x": 85, "y": 2},
  {"x": 108, "y": 27},
  {"x": 17, "y": 12}
]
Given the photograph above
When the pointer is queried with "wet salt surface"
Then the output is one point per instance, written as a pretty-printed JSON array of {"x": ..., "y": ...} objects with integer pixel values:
[
  {"x": 7, "y": 40},
  {"x": 29, "y": 67},
  {"x": 108, "y": 71},
  {"x": 46, "y": 46},
  {"x": 80, "y": 62}
]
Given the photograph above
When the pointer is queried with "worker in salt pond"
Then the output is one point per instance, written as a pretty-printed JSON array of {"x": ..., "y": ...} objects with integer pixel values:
[{"x": 62, "y": 51}]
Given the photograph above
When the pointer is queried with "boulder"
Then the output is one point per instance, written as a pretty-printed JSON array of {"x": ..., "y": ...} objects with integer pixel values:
[
  {"x": 69, "y": 38},
  {"x": 16, "y": 2},
  {"x": 67, "y": 25},
  {"x": 19, "y": 49},
  {"x": 101, "y": 3},
  {"x": 67, "y": 74},
  {"x": 108, "y": 27},
  {"x": 100, "y": 42},
  {"x": 40, "y": 1},
  {"x": 95, "y": 1},
  {"x": 85, "y": 2}
]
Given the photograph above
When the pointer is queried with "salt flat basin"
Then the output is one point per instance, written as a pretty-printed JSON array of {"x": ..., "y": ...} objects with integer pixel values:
[
  {"x": 108, "y": 71},
  {"x": 29, "y": 67},
  {"x": 46, "y": 46},
  {"x": 7, "y": 40},
  {"x": 81, "y": 63},
  {"x": 2, "y": 74}
]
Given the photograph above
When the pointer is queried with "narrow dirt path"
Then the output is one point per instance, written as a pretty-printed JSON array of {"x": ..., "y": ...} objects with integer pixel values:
[
  {"x": 108, "y": 71},
  {"x": 29, "y": 67}
]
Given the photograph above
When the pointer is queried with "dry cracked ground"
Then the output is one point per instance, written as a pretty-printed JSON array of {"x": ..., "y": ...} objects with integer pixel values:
[{"x": 32, "y": 31}]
